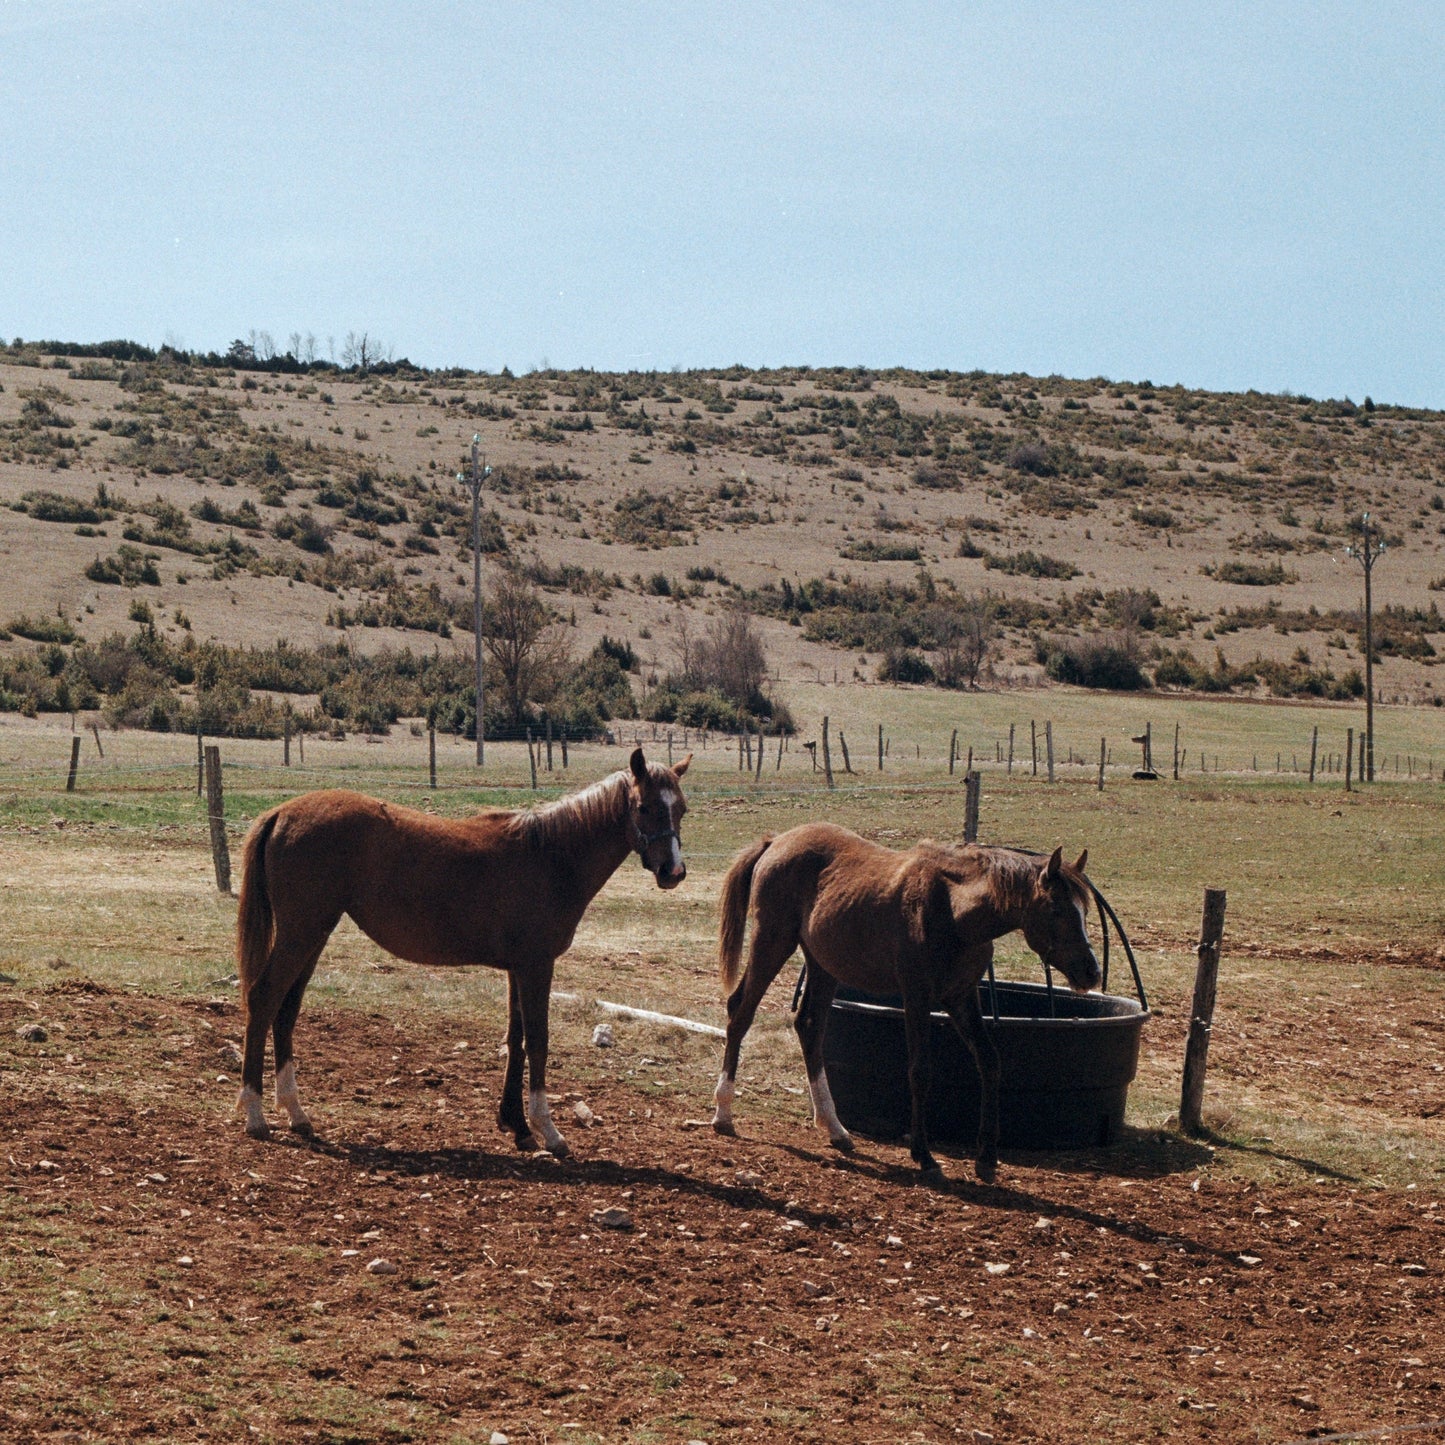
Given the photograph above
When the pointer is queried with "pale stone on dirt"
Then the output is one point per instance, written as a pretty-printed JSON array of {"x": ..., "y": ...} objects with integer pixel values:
[
  {"x": 603, "y": 1037},
  {"x": 612, "y": 1217},
  {"x": 381, "y": 1266},
  {"x": 32, "y": 1033}
]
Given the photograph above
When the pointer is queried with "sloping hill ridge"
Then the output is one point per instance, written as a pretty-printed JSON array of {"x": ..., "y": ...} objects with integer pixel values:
[{"x": 867, "y": 519}]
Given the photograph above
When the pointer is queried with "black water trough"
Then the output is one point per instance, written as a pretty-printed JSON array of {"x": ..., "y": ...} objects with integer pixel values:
[{"x": 1067, "y": 1062}]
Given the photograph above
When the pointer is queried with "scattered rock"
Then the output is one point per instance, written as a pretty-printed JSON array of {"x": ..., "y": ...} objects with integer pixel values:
[
  {"x": 613, "y": 1217},
  {"x": 583, "y": 1114},
  {"x": 603, "y": 1037},
  {"x": 817, "y": 1291},
  {"x": 998, "y": 1268},
  {"x": 500, "y": 1439},
  {"x": 1249, "y": 1260},
  {"x": 748, "y": 1179},
  {"x": 381, "y": 1266},
  {"x": 1412, "y": 1269},
  {"x": 230, "y": 1054},
  {"x": 32, "y": 1033},
  {"x": 48, "y": 1165},
  {"x": 185, "y": 1261},
  {"x": 8, "y": 978}
]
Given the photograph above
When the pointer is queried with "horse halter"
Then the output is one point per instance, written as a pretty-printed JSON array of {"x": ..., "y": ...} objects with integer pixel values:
[{"x": 645, "y": 840}]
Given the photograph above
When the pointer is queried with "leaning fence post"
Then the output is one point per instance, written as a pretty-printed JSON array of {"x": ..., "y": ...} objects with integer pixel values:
[
  {"x": 431, "y": 748},
  {"x": 74, "y": 764},
  {"x": 95, "y": 733},
  {"x": 971, "y": 789},
  {"x": 827, "y": 756},
  {"x": 216, "y": 816},
  {"x": 952, "y": 751},
  {"x": 1201, "y": 1018},
  {"x": 532, "y": 759},
  {"x": 843, "y": 743}
]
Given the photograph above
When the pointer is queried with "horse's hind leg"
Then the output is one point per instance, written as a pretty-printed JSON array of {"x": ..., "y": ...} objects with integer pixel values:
[
  {"x": 916, "y": 1026},
  {"x": 288, "y": 965},
  {"x": 771, "y": 949},
  {"x": 282, "y": 1030},
  {"x": 534, "y": 991},
  {"x": 811, "y": 1025}
]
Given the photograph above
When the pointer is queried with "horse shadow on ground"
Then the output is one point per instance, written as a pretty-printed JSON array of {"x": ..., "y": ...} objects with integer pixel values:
[{"x": 481, "y": 1166}]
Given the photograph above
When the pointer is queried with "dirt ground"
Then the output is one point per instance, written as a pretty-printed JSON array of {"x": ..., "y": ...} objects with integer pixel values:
[{"x": 166, "y": 1277}]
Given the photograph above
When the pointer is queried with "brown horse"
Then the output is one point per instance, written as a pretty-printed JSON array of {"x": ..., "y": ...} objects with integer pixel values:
[
  {"x": 919, "y": 923},
  {"x": 503, "y": 888}
]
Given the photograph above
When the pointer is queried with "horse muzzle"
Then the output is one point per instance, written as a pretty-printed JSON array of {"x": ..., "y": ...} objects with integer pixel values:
[
  {"x": 669, "y": 877},
  {"x": 1085, "y": 976}
]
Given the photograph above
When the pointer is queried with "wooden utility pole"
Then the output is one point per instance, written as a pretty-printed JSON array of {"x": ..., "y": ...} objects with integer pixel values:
[
  {"x": 1201, "y": 1017},
  {"x": 480, "y": 472},
  {"x": 1367, "y": 551}
]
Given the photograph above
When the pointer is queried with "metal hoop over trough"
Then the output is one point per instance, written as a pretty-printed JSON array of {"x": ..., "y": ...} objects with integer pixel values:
[{"x": 1067, "y": 1060}]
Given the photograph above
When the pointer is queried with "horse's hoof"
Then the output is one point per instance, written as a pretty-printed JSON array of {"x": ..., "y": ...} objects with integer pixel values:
[
  {"x": 725, "y": 1127},
  {"x": 843, "y": 1144},
  {"x": 304, "y": 1128},
  {"x": 260, "y": 1131},
  {"x": 561, "y": 1150},
  {"x": 986, "y": 1169},
  {"x": 525, "y": 1142},
  {"x": 934, "y": 1177}
]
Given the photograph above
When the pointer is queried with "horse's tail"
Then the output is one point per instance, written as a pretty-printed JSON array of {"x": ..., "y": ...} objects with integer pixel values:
[
  {"x": 733, "y": 911},
  {"x": 254, "y": 920}
]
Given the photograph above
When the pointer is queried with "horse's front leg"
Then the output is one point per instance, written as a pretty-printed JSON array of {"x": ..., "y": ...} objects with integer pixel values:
[
  {"x": 511, "y": 1116},
  {"x": 534, "y": 990},
  {"x": 967, "y": 1018},
  {"x": 916, "y": 1007},
  {"x": 811, "y": 1024}
]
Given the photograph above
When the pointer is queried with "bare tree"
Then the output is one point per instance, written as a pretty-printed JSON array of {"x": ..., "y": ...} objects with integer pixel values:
[
  {"x": 966, "y": 635},
  {"x": 529, "y": 647},
  {"x": 364, "y": 351},
  {"x": 730, "y": 656}
]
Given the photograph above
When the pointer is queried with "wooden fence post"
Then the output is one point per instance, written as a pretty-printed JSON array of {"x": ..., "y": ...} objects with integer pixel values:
[
  {"x": 971, "y": 790},
  {"x": 1314, "y": 750},
  {"x": 532, "y": 759},
  {"x": 1104, "y": 753},
  {"x": 549, "y": 744},
  {"x": 782, "y": 739},
  {"x": 827, "y": 756},
  {"x": 216, "y": 816},
  {"x": 952, "y": 751},
  {"x": 200, "y": 762},
  {"x": 1201, "y": 1018},
  {"x": 1349, "y": 755},
  {"x": 880, "y": 747},
  {"x": 286, "y": 742},
  {"x": 431, "y": 748},
  {"x": 669, "y": 747},
  {"x": 74, "y": 764},
  {"x": 1010, "y": 750},
  {"x": 564, "y": 746},
  {"x": 95, "y": 733},
  {"x": 758, "y": 775},
  {"x": 843, "y": 743},
  {"x": 1034, "y": 745},
  {"x": 1049, "y": 744}
]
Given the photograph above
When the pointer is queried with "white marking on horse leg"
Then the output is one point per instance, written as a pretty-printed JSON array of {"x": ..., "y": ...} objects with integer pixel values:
[
  {"x": 289, "y": 1099},
  {"x": 249, "y": 1104},
  {"x": 539, "y": 1116},
  {"x": 824, "y": 1112},
  {"x": 722, "y": 1119}
]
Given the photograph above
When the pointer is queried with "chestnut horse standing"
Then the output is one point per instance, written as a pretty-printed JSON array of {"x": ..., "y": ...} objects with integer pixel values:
[
  {"x": 919, "y": 923},
  {"x": 503, "y": 888}
]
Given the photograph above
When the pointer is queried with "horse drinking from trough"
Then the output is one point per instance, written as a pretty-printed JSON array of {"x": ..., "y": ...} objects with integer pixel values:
[
  {"x": 919, "y": 923},
  {"x": 503, "y": 888}
]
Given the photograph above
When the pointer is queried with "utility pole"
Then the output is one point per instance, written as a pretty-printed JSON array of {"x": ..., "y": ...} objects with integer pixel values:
[
  {"x": 480, "y": 472},
  {"x": 1366, "y": 552}
]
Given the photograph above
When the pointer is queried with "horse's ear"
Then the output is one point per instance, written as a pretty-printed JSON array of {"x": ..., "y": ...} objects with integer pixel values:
[
  {"x": 1051, "y": 868},
  {"x": 638, "y": 764},
  {"x": 681, "y": 768},
  {"x": 1083, "y": 859}
]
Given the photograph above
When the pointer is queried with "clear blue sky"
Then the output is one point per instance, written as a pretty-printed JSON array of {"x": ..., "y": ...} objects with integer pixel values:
[{"x": 1221, "y": 195}]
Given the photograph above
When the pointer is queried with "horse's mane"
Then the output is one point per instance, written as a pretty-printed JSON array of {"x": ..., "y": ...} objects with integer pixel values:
[
  {"x": 576, "y": 819},
  {"x": 1008, "y": 873}
]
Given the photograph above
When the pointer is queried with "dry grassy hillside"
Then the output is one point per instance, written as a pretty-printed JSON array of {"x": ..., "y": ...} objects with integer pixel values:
[{"x": 250, "y": 506}]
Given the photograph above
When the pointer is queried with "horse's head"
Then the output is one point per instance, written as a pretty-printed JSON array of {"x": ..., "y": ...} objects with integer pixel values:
[
  {"x": 1055, "y": 925},
  {"x": 656, "y": 817}
]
